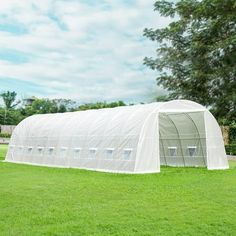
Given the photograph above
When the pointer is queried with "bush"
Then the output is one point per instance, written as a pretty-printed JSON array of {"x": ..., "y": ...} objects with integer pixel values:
[
  {"x": 5, "y": 135},
  {"x": 232, "y": 133},
  {"x": 230, "y": 149}
]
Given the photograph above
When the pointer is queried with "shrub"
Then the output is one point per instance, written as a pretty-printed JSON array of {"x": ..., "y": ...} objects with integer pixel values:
[
  {"x": 5, "y": 135},
  {"x": 232, "y": 133},
  {"x": 230, "y": 149}
]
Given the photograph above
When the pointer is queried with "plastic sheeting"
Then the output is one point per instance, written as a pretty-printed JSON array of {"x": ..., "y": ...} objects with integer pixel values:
[{"x": 130, "y": 139}]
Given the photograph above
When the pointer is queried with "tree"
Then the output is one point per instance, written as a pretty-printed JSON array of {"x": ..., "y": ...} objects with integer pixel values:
[
  {"x": 196, "y": 53},
  {"x": 100, "y": 105},
  {"x": 35, "y": 105},
  {"x": 11, "y": 116},
  {"x": 163, "y": 98},
  {"x": 63, "y": 105},
  {"x": 43, "y": 106},
  {"x": 9, "y": 98}
]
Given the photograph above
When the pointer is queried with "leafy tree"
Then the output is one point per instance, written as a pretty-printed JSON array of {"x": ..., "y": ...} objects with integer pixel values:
[
  {"x": 10, "y": 117},
  {"x": 163, "y": 98},
  {"x": 196, "y": 53},
  {"x": 63, "y": 105},
  {"x": 9, "y": 99},
  {"x": 7, "y": 115},
  {"x": 42, "y": 106},
  {"x": 100, "y": 105}
]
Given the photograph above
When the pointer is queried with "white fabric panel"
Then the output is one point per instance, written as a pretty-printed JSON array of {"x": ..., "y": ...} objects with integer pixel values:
[
  {"x": 216, "y": 156},
  {"x": 147, "y": 159},
  {"x": 54, "y": 139},
  {"x": 181, "y": 106}
]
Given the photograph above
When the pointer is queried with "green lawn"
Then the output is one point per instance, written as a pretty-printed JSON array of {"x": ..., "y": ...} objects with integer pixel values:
[
  {"x": 177, "y": 201},
  {"x": 3, "y": 151}
]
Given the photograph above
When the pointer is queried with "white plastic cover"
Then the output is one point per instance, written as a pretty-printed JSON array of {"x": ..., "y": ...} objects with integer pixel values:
[{"x": 121, "y": 139}]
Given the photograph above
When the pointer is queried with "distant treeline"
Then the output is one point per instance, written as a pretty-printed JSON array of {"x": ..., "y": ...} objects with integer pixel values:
[{"x": 13, "y": 111}]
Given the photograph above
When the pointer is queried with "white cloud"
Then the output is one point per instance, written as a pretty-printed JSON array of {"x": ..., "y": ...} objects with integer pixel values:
[{"x": 82, "y": 51}]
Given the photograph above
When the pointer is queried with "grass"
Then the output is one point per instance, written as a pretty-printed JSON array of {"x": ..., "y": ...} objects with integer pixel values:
[
  {"x": 3, "y": 151},
  {"x": 177, "y": 201}
]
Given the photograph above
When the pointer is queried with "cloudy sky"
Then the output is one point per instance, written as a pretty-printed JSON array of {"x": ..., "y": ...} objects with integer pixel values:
[{"x": 80, "y": 49}]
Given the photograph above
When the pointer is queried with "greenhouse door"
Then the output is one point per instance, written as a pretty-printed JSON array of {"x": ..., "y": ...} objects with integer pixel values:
[{"x": 182, "y": 139}]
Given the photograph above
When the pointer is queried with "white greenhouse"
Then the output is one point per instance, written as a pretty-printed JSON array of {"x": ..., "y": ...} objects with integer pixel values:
[{"x": 129, "y": 139}]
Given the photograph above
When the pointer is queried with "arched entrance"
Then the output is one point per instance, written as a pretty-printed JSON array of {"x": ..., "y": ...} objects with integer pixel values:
[{"x": 182, "y": 139}]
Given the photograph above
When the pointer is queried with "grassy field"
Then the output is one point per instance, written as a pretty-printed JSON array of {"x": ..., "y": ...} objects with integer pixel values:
[
  {"x": 3, "y": 150},
  {"x": 177, "y": 201}
]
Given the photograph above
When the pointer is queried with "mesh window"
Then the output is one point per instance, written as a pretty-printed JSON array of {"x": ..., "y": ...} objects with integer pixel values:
[
  {"x": 192, "y": 151},
  {"x": 29, "y": 149},
  {"x": 172, "y": 151},
  {"x": 92, "y": 153},
  {"x": 127, "y": 154},
  {"x": 50, "y": 150},
  {"x": 77, "y": 152},
  {"x": 40, "y": 150},
  {"x": 20, "y": 149},
  {"x": 63, "y": 152},
  {"x": 109, "y": 153}
]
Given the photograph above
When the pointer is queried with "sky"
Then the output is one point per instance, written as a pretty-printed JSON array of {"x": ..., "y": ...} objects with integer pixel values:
[{"x": 84, "y": 50}]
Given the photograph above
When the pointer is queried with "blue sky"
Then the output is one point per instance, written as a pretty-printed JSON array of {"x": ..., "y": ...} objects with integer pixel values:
[{"x": 79, "y": 49}]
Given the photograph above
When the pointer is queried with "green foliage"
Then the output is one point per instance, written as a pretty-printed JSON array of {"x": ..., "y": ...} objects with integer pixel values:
[
  {"x": 43, "y": 106},
  {"x": 11, "y": 116},
  {"x": 230, "y": 149},
  {"x": 196, "y": 53},
  {"x": 100, "y": 105},
  {"x": 232, "y": 133},
  {"x": 163, "y": 98},
  {"x": 5, "y": 135},
  {"x": 9, "y": 98},
  {"x": 177, "y": 201}
]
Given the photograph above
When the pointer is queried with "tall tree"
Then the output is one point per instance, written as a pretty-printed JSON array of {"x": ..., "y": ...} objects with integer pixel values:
[
  {"x": 196, "y": 53},
  {"x": 9, "y": 99}
]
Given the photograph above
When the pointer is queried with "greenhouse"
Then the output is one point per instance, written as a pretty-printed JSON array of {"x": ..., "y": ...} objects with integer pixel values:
[{"x": 128, "y": 139}]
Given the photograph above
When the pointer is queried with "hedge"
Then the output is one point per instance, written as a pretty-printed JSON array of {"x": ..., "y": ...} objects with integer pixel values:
[
  {"x": 232, "y": 133},
  {"x": 5, "y": 135},
  {"x": 230, "y": 149}
]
